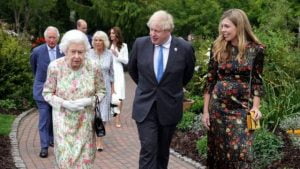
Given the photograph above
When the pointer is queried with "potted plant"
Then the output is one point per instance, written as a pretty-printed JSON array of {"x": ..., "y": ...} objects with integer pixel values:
[{"x": 187, "y": 103}]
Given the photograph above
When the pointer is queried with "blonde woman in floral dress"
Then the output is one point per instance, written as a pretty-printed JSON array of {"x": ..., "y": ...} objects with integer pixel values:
[
  {"x": 101, "y": 54},
  {"x": 237, "y": 56},
  {"x": 72, "y": 83}
]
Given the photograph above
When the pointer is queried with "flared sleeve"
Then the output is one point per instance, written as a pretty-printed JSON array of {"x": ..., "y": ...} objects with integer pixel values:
[
  {"x": 111, "y": 68},
  {"x": 49, "y": 91},
  {"x": 123, "y": 54},
  {"x": 257, "y": 80},
  {"x": 211, "y": 76}
]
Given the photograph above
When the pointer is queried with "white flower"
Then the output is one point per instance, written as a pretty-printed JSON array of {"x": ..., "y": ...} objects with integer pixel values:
[
  {"x": 197, "y": 68},
  {"x": 207, "y": 53}
]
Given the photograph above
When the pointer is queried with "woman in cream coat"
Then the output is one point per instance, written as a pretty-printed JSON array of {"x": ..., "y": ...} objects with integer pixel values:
[{"x": 120, "y": 52}]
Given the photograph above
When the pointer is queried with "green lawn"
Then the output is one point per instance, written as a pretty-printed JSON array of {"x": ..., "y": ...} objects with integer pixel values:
[{"x": 5, "y": 123}]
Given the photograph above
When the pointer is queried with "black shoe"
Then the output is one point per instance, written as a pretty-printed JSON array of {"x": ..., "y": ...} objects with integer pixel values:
[
  {"x": 44, "y": 153},
  {"x": 51, "y": 144}
]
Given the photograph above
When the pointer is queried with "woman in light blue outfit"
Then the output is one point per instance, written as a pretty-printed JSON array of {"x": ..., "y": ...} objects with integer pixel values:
[{"x": 103, "y": 56}]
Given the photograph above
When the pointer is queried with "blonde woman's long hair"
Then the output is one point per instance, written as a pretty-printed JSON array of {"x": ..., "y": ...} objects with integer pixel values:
[{"x": 222, "y": 48}]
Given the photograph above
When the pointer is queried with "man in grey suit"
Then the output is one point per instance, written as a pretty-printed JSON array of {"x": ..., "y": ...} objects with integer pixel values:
[
  {"x": 161, "y": 65},
  {"x": 40, "y": 58}
]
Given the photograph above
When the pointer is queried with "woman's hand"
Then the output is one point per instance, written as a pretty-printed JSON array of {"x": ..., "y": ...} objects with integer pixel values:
[
  {"x": 114, "y": 52},
  {"x": 205, "y": 116},
  {"x": 257, "y": 114},
  {"x": 205, "y": 119}
]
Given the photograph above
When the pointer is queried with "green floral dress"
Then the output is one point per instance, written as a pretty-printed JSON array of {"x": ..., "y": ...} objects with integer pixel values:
[
  {"x": 229, "y": 141},
  {"x": 73, "y": 131}
]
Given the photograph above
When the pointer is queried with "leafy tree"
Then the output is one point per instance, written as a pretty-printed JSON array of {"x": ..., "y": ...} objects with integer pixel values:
[
  {"x": 26, "y": 10},
  {"x": 129, "y": 15}
]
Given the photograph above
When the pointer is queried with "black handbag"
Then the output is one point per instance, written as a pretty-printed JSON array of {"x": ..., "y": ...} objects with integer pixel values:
[{"x": 98, "y": 123}]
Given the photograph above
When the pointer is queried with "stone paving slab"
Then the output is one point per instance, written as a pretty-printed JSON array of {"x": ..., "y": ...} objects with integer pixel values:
[{"x": 121, "y": 149}]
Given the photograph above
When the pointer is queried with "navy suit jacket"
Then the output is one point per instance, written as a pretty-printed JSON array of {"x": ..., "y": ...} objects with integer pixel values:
[
  {"x": 168, "y": 93},
  {"x": 39, "y": 61}
]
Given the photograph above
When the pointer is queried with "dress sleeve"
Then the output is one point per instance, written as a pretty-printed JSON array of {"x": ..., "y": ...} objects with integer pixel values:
[
  {"x": 49, "y": 91},
  {"x": 111, "y": 68},
  {"x": 123, "y": 54},
  {"x": 257, "y": 80},
  {"x": 211, "y": 77}
]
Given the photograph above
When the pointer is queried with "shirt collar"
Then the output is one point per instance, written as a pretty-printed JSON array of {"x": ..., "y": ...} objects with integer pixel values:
[
  {"x": 51, "y": 48},
  {"x": 167, "y": 44}
]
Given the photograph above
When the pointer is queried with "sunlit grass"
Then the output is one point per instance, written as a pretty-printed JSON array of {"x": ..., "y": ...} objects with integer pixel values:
[{"x": 5, "y": 123}]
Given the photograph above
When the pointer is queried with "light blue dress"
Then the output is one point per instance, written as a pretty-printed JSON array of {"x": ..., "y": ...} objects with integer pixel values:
[{"x": 105, "y": 60}]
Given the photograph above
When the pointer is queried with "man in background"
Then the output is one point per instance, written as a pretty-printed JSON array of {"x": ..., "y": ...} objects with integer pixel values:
[
  {"x": 40, "y": 58},
  {"x": 83, "y": 27}
]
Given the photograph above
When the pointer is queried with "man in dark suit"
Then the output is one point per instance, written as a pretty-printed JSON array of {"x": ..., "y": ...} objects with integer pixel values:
[
  {"x": 40, "y": 58},
  {"x": 161, "y": 65},
  {"x": 83, "y": 27}
]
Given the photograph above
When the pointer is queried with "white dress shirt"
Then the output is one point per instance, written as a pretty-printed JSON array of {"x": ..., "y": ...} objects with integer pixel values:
[{"x": 166, "y": 49}]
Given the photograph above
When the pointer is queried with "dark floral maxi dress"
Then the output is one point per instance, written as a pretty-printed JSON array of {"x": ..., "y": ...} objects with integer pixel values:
[{"x": 229, "y": 141}]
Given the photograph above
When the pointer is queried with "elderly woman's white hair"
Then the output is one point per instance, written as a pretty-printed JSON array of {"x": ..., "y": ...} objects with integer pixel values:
[
  {"x": 73, "y": 36},
  {"x": 163, "y": 19},
  {"x": 103, "y": 36}
]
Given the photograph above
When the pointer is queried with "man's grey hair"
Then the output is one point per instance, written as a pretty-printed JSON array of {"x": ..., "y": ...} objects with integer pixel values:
[
  {"x": 163, "y": 19},
  {"x": 52, "y": 28}
]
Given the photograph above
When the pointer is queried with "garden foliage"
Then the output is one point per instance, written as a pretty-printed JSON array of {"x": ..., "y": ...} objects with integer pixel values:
[
  {"x": 5, "y": 123},
  {"x": 266, "y": 148},
  {"x": 276, "y": 23},
  {"x": 15, "y": 72}
]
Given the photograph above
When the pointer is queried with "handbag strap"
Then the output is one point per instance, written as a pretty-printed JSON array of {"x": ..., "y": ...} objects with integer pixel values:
[{"x": 97, "y": 108}]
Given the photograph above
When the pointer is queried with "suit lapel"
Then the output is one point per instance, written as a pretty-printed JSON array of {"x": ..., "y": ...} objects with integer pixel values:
[
  {"x": 172, "y": 56},
  {"x": 150, "y": 57},
  {"x": 47, "y": 57},
  {"x": 58, "y": 54}
]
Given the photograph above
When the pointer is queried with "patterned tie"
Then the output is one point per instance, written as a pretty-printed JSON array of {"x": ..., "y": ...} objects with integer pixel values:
[{"x": 160, "y": 64}]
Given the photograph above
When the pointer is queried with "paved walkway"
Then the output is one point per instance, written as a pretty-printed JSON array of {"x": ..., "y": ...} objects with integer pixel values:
[{"x": 121, "y": 144}]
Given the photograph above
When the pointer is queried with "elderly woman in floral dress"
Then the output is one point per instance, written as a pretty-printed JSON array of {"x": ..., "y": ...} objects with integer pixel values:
[{"x": 72, "y": 83}]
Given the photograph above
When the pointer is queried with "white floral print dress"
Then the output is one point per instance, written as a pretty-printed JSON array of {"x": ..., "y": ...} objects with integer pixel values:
[{"x": 74, "y": 136}]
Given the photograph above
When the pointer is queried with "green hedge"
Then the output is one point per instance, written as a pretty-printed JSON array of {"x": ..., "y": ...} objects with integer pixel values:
[{"x": 16, "y": 76}]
